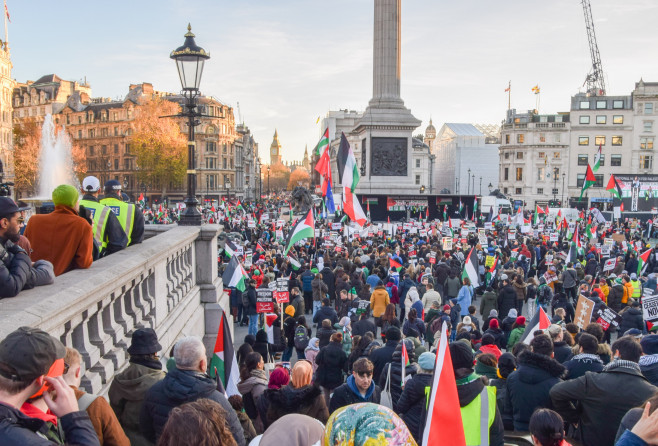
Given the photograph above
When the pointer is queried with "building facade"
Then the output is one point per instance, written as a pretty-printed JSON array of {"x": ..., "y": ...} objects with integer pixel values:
[
  {"x": 248, "y": 170},
  {"x": 533, "y": 157},
  {"x": 45, "y": 96},
  {"x": 6, "y": 111}
]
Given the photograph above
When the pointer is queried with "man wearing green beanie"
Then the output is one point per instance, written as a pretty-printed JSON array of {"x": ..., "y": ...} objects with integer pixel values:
[{"x": 62, "y": 237}]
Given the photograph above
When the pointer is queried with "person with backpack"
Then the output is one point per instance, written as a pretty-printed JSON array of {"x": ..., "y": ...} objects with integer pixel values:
[
  {"x": 392, "y": 290},
  {"x": 302, "y": 336},
  {"x": 332, "y": 364},
  {"x": 544, "y": 294}
]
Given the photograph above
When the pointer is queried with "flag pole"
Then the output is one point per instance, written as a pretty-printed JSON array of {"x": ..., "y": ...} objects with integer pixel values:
[{"x": 509, "y": 95}]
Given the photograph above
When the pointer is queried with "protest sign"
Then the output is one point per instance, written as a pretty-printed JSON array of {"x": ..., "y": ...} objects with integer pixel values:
[
  {"x": 584, "y": 310},
  {"x": 264, "y": 302},
  {"x": 336, "y": 226},
  {"x": 280, "y": 223},
  {"x": 489, "y": 261},
  {"x": 488, "y": 225},
  {"x": 610, "y": 263},
  {"x": 281, "y": 294},
  {"x": 363, "y": 306},
  {"x": 432, "y": 257},
  {"x": 554, "y": 237},
  {"x": 605, "y": 251},
  {"x": 607, "y": 317},
  {"x": 650, "y": 306},
  {"x": 251, "y": 223},
  {"x": 447, "y": 243},
  {"x": 482, "y": 239}
]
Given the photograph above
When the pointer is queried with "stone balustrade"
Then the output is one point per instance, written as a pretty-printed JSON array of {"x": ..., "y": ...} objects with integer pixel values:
[{"x": 168, "y": 283}]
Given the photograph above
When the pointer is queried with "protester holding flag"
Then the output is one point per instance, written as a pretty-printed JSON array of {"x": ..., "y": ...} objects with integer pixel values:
[{"x": 402, "y": 367}]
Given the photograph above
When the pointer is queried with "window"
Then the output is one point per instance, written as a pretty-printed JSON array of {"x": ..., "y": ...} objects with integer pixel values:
[
  {"x": 599, "y": 140},
  {"x": 506, "y": 175},
  {"x": 127, "y": 149},
  {"x": 116, "y": 149},
  {"x": 506, "y": 155},
  {"x": 518, "y": 191},
  {"x": 583, "y": 140},
  {"x": 556, "y": 155},
  {"x": 615, "y": 160},
  {"x": 646, "y": 161},
  {"x": 542, "y": 137},
  {"x": 582, "y": 160},
  {"x": 519, "y": 155},
  {"x": 601, "y": 119},
  {"x": 648, "y": 108},
  {"x": 417, "y": 179},
  {"x": 116, "y": 130},
  {"x": 519, "y": 138},
  {"x": 540, "y": 191},
  {"x": 584, "y": 119},
  {"x": 79, "y": 134},
  {"x": 616, "y": 140},
  {"x": 541, "y": 155},
  {"x": 211, "y": 163},
  {"x": 540, "y": 173},
  {"x": 91, "y": 150},
  {"x": 224, "y": 163},
  {"x": 600, "y": 105},
  {"x": 91, "y": 133},
  {"x": 211, "y": 147},
  {"x": 584, "y": 105},
  {"x": 618, "y": 119},
  {"x": 646, "y": 143},
  {"x": 417, "y": 164},
  {"x": 507, "y": 139},
  {"x": 116, "y": 163},
  {"x": 104, "y": 132},
  {"x": 104, "y": 150},
  {"x": 599, "y": 181},
  {"x": 617, "y": 104},
  {"x": 558, "y": 137},
  {"x": 519, "y": 173},
  {"x": 224, "y": 148},
  {"x": 580, "y": 180},
  {"x": 602, "y": 161},
  {"x": 504, "y": 190},
  {"x": 648, "y": 126}
]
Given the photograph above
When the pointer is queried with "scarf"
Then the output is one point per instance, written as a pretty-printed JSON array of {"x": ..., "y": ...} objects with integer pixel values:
[
  {"x": 147, "y": 362},
  {"x": 590, "y": 356},
  {"x": 622, "y": 363},
  {"x": 648, "y": 360}
]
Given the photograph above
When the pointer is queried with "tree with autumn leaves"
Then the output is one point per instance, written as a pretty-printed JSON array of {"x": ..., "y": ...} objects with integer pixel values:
[
  {"x": 159, "y": 145},
  {"x": 299, "y": 177}
]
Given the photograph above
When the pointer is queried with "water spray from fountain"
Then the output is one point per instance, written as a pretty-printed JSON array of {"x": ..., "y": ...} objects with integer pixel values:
[{"x": 55, "y": 162}]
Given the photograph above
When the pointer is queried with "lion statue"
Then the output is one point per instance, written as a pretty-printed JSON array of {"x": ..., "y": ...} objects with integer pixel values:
[{"x": 302, "y": 200}]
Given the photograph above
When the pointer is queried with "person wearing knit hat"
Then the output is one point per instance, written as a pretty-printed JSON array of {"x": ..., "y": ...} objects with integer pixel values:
[
  {"x": 506, "y": 365},
  {"x": 469, "y": 389},
  {"x": 62, "y": 237},
  {"x": 517, "y": 333},
  {"x": 290, "y": 310},
  {"x": 649, "y": 361}
]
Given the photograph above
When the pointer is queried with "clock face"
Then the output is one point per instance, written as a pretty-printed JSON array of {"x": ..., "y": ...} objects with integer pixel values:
[{"x": 273, "y": 151}]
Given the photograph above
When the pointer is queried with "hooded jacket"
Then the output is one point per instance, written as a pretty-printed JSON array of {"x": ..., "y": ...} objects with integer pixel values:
[
  {"x": 107, "y": 427},
  {"x": 126, "y": 395},
  {"x": 180, "y": 387},
  {"x": 348, "y": 393},
  {"x": 379, "y": 300},
  {"x": 489, "y": 302},
  {"x": 615, "y": 296},
  {"x": 307, "y": 400},
  {"x": 325, "y": 313},
  {"x": 331, "y": 362},
  {"x": 396, "y": 371},
  {"x": 506, "y": 299},
  {"x": 320, "y": 289},
  {"x": 529, "y": 385},
  {"x": 467, "y": 393},
  {"x": 411, "y": 404},
  {"x": 380, "y": 357},
  {"x": 631, "y": 317}
]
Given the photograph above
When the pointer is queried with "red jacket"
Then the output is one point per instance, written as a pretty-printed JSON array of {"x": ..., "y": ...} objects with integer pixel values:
[{"x": 62, "y": 237}]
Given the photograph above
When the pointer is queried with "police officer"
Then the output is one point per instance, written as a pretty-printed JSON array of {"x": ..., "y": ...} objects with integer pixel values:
[
  {"x": 129, "y": 215},
  {"x": 109, "y": 236}
]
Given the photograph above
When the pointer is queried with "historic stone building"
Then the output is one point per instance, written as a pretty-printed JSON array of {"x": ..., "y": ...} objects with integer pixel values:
[
  {"x": 6, "y": 140},
  {"x": 275, "y": 150},
  {"x": 46, "y": 95}
]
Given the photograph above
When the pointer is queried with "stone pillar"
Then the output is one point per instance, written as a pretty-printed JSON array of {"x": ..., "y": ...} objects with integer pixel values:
[{"x": 386, "y": 54}]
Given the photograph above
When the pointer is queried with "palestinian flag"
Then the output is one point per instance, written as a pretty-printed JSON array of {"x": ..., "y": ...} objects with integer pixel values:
[
  {"x": 323, "y": 143},
  {"x": 597, "y": 159},
  {"x": 471, "y": 268},
  {"x": 229, "y": 248},
  {"x": 427, "y": 213},
  {"x": 535, "y": 220},
  {"x": 259, "y": 247},
  {"x": 613, "y": 187},
  {"x": 268, "y": 326},
  {"x": 352, "y": 207},
  {"x": 547, "y": 209},
  {"x": 239, "y": 205},
  {"x": 348, "y": 171},
  {"x": 643, "y": 261},
  {"x": 576, "y": 247},
  {"x": 294, "y": 262},
  {"x": 394, "y": 264},
  {"x": 475, "y": 206},
  {"x": 590, "y": 180},
  {"x": 444, "y": 424},
  {"x": 290, "y": 205},
  {"x": 234, "y": 275},
  {"x": 540, "y": 321},
  {"x": 404, "y": 361},
  {"x": 461, "y": 206},
  {"x": 540, "y": 210},
  {"x": 303, "y": 229},
  {"x": 223, "y": 364},
  {"x": 445, "y": 212},
  {"x": 491, "y": 274}
]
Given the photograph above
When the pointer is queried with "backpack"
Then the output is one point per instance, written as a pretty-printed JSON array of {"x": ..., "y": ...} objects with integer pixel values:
[
  {"x": 389, "y": 290},
  {"x": 545, "y": 294},
  {"x": 245, "y": 299},
  {"x": 249, "y": 405},
  {"x": 301, "y": 338},
  {"x": 436, "y": 324}
]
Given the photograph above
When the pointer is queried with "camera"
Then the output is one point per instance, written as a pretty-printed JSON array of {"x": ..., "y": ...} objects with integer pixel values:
[{"x": 5, "y": 189}]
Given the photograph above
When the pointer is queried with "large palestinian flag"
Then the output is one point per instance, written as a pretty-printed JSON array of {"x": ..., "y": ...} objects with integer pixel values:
[
  {"x": 471, "y": 268},
  {"x": 304, "y": 228},
  {"x": 234, "y": 275},
  {"x": 223, "y": 364},
  {"x": 539, "y": 321},
  {"x": 643, "y": 261}
]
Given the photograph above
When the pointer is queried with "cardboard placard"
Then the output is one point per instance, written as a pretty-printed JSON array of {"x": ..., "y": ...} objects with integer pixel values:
[
  {"x": 336, "y": 226},
  {"x": 482, "y": 240},
  {"x": 608, "y": 241},
  {"x": 488, "y": 225},
  {"x": 584, "y": 310},
  {"x": 447, "y": 243},
  {"x": 605, "y": 251},
  {"x": 412, "y": 254},
  {"x": 489, "y": 261},
  {"x": 607, "y": 317},
  {"x": 264, "y": 302},
  {"x": 281, "y": 294},
  {"x": 280, "y": 223},
  {"x": 650, "y": 306},
  {"x": 251, "y": 223},
  {"x": 433, "y": 257},
  {"x": 610, "y": 263},
  {"x": 363, "y": 306},
  {"x": 553, "y": 237}
]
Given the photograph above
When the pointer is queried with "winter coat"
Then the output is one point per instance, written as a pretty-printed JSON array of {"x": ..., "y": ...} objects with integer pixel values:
[
  {"x": 126, "y": 396},
  {"x": 615, "y": 297},
  {"x": 382, "y": 356},
  {"x": 404, "y": 287},
  {"x": 499, "y": 336},
  {"x": 591, "y": 267},
  {"x": 467, "y": 393},
  {"x": 16, "y": 271},
  {"x": 329, "y": 279},
  {"x": 177, "y": 388},
  {"x": 16, "y": 428},
  {"x": 307, "y": 281},
  {"x": 307, "y": 400},
  {"x": 104, "y": 420},
  {"x": 247, "y": 426},
  {"x": 464, "y": 299},
  {"x": 348, "y": 393},
  {"x": 489, "y": 302},
  {"x": 332, "y": 363},
  {"x": 320, "y": 289},
  {"x": 569, "y": 278},
  {"x": 501, "y": 402},
  {"x": 256, "y": 384},
  {"x": 631, "y": 318},
  {"x": 415, "y": 329},
  {"x": 492, "y": 349},
  {"x": 581, "y": 364},
  {"x": 506, "y": 300},
  {"x": 429, "y": 297},
  {"x": 412, "y": 403},
  {"x": 379, "y": 300},
  {"x": 515, "y": 337},
  {"x": 410, "y": 300},
  {"x": 251, "y": 294},
  {"x": 362, "y": 326},
  {"x": 649, "y": 368},
  {"x": 396, "y": 371},
  {"x": 325, "y": 313},
  {"x": 562, "y": 351},
  {"x": 430, "y": 315},
  {"x": 603, "y": 400},
  {"x": 506, "y": 327},
  {"x": 451, "y": 287},
  {"x": 520, "y": 290},
  {"x": 529, "y": 385},
  {"x": 324, "y": 335}
]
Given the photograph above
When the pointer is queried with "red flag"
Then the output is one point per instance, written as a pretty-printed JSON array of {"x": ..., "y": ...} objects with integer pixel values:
[
  {"x": 427, "y": 213},
  {"x": 540, "y": 210},
  {"x": 404, "y": 357},
  {"x": 621, "y": 207},
  {"x": 259, "y": 248},
  {"x": 444, "y": 424},
  {"x": 547, "y": 209},
  {"x": 213, "y": 208},
  {"x": 394, "y": 264},
  {"x": 141, "y": 197},
  {"x": 388, "y": 219}
]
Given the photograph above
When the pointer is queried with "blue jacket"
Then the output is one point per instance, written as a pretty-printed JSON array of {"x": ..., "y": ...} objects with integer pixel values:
[
  {"x": 307, "y": 279},
  {"x": 347, "y": 394},
  {"x": 464, "y": 299},
  {"x": 373, "y": 280},
  {"x": 628, "y": 438}
]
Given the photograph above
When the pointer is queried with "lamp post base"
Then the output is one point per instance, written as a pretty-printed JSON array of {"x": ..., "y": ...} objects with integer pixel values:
[{"x": 191, "y": 215}]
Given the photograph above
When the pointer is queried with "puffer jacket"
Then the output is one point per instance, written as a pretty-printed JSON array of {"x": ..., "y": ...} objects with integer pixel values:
[
  {"x": 307, "y": 400},
  {"x": 631, "y": 318},
  {"x": 332, "y": 363},
  {"x": 506, "y": 300},
  {"x": 615, "y": 297},
  {"x": 412, "y": 403},
  {"x": 529, "y": 385},
  {"x": 127, "y": 395},
  {"x": 16, "y": 272},
  {"x": 396, "y": 371},
  {"x": 489, "y": 302},
  {"x": 180, "y": 387}
]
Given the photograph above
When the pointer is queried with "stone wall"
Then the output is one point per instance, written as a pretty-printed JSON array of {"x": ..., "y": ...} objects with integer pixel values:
[{"x": 168, "y": 283}]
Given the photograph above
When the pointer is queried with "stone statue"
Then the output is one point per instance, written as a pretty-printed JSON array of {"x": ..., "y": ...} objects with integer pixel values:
[{"x": 302, "y": 199}]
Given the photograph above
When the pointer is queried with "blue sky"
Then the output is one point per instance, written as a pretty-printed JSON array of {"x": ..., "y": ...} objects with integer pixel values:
[{"x": 288, "y": 61}]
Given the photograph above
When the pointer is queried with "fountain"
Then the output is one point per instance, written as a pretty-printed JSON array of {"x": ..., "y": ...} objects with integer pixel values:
[{"x": 55, "y": 165}]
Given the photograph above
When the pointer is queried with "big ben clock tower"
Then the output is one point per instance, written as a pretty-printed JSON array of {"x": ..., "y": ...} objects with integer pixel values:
[{"x": 275, "y": 150}]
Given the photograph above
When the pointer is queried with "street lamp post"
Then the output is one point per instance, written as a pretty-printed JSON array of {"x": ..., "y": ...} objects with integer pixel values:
[
  {"x": 468, "y": 184},
  {"x": 555, "y": 175},
  {"x": 563, "y": 175},
  {"x": 190, "y": 59},
  {"x": 268, "y": 181},
  {"x": 490, "y": 187},
  {"x": 227, "y": 186},
  {"x": 480, "y": 185}
]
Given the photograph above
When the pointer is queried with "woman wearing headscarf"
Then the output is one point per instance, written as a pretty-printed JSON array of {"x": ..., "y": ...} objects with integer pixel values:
[
  {"x": 366, "y": 423},
  {"x": 311, "y": 352},
  {"x": 345, "y": 328},
  {"x": 253, "y": 381},
  {"x": 291, "y": 430},
  {"x": 279, "y": 377}
]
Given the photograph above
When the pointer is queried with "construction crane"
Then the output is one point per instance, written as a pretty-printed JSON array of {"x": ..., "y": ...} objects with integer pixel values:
[{"x": 595, "y": 82}]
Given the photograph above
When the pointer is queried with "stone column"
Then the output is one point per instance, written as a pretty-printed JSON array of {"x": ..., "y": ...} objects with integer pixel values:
[{"x": 386, "y": 54}]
